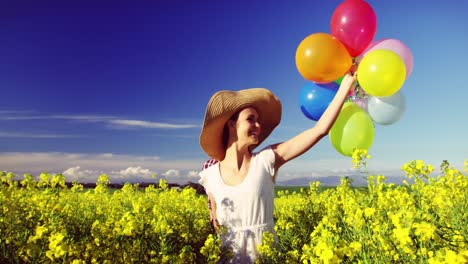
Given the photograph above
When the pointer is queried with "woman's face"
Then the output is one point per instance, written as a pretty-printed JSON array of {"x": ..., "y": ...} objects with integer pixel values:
[{"x": 247, "y": 126}]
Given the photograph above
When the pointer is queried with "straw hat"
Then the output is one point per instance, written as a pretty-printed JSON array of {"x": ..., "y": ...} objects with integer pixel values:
[{"x": 224, "y": 104}]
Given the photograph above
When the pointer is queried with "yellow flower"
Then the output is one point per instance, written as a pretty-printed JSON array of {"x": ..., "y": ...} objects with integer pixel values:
[
  {"x": 395, "y": 220},
  {"x": 356, "y": 246},
  {"x": 424, "y": 230},
  {"x": 40, "y": 230},
  {"x": 56, "y": 246},
  {"x": 163, "y": 184},
  {"x": 359, "y": 157},
  {"x": 326, "y": 255},
  {"x": 451, "y": 257},
  {"x": 402, "y": 235},
  {"x": 422, "y": 251},
  {"x": 369, "y": 211},
  {"x": 419, "y": 164},
  {"x": 211, "y": 249}
]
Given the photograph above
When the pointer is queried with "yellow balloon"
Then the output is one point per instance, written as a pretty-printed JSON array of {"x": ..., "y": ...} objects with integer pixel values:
[
  {"x": 352, "y": 129},
  {"x": 381, "y": 73}
]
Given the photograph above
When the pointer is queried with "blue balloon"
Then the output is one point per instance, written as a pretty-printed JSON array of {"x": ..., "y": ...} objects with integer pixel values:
[
  {"x": 314, "y": 100},
  {"x": 331, "y": 85}
]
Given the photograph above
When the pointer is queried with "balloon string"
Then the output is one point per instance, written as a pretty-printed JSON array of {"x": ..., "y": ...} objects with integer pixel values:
[
  {"x": 358, "y": 92},
  {"x": 354, "y": 66}
]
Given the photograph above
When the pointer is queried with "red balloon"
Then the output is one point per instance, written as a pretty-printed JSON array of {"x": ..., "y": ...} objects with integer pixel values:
[{"x": 354, "y": 23}]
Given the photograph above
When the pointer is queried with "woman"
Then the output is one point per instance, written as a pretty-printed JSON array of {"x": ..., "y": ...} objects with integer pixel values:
[{"x": 241, "y": 184}]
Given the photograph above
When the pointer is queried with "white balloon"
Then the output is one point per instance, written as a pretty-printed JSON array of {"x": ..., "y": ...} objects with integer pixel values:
[{"x": 386, "y": 110}]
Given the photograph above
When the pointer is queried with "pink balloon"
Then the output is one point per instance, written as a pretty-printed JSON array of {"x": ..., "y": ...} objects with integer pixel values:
[
  {"x": 396, "y": 46},
  {"x": 354, "y": 23}
]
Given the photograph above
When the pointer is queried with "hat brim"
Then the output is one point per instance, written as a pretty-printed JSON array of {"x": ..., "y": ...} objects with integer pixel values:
[{"x": 223, "y": 104}]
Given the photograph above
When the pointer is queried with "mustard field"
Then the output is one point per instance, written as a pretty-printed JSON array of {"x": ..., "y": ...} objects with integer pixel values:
[{"x": 425, "y": 221}]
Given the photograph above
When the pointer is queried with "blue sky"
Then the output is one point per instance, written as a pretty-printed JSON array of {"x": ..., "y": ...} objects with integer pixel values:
[{"x": 120, "y": 88}]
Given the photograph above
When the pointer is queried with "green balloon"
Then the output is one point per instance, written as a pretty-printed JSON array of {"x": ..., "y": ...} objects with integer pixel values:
[
  {"x": 353, "y": 129},
  {"x": 338, "y": 81}
]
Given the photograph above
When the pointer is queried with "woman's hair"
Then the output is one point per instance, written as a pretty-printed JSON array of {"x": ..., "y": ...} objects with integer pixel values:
[{"x": 234, "y": 118}]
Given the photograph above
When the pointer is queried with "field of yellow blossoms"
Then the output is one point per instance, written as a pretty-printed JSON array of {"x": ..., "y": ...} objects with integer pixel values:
[{"x": 422, "y": 220}]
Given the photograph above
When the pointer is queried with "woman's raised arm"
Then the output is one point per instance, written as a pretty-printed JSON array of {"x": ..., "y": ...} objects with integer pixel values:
[{"x": 299, "y": 144}]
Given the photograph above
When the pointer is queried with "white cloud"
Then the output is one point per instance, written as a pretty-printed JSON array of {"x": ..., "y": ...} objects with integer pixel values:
[
  {"x": 147, "y": 124},
  {"x": 21, "y": 116},
  {"x": 193, "y": 174},
  {"x": 119, "y": 168},
  {"x": 87, "y": 118},
  {"x": 110, "y": 120},
  {"x": 171, "y": 173},
  {"x": 135, "y": 171},
  {"x": 180, "y": 176},
  {"x": 30, "y": 135},
  {"x": 81, "y": 175},
  {"x": 106, "y": 155},
  {"x": 133, "y": 174},
  {"x": 15, "y": 112},
  {"x": 130, "y": 174}
]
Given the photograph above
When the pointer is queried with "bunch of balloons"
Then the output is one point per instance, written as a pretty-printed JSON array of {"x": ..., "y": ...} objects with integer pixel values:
[{"x": 381, "y": 66}]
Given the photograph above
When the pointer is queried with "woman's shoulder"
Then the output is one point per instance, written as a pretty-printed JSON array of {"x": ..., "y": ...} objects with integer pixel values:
[
  {"x": 209, "y": 167},
  {"x": 265, "y": 152},
  {"x": 209, "y": 163},
  {"x": 266, "y": 158},
  {"x": 208, "y": 173}
]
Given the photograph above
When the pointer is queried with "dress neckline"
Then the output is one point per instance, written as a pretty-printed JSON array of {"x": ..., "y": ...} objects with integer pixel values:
[{"x": 218, "y": 167}]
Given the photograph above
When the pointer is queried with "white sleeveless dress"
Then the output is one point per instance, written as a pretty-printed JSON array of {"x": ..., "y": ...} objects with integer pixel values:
[{"x": 246, "y": 210}]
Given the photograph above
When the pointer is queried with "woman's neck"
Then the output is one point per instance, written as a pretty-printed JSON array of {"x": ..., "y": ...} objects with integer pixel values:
[
  {"x": 235, "y": 165},
  {"x": 236, "y": 156}
]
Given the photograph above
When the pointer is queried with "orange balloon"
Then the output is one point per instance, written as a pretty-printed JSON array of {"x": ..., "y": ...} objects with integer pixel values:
[{"x": 322, "y": 58}]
